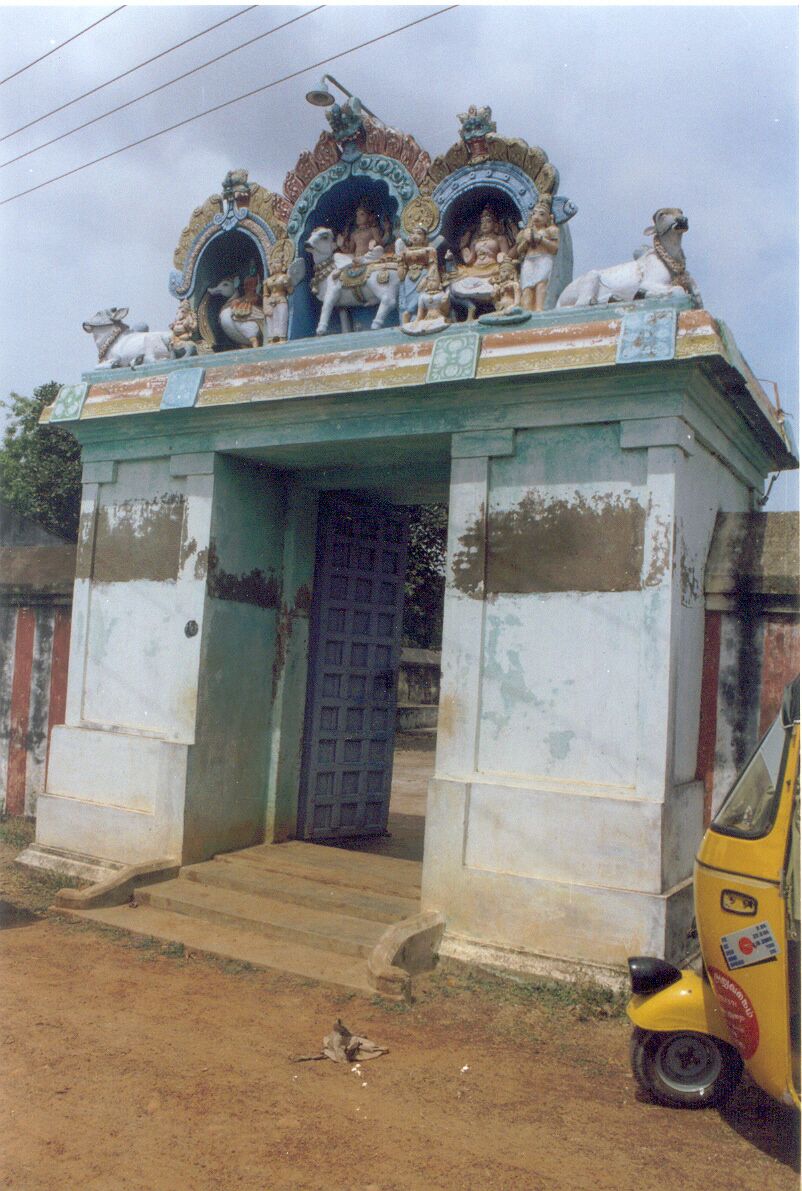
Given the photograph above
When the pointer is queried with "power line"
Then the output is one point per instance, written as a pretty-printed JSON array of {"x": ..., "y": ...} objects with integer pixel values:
[
  {"x": 95, "y": 119},
  {"x": 218, "y": 107},
  {"x": 56, "y": 48},
  {"x": 125, "y": 73}
]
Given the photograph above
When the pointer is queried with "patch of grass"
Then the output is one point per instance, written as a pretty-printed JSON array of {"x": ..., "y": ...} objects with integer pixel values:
[
  {"x": 173, "y": 950},
  {"x": 582, "y": 996},
  {"x": 234, "y": 967},
  {"x": 34, "y": 889},
  {"x": 144, "y": 942},
  {"x": 17, "y": 831},
  {"x": 390, "y": 1006}
]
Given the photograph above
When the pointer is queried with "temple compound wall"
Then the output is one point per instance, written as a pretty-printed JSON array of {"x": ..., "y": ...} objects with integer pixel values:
[{"x": 236, "y": 615}]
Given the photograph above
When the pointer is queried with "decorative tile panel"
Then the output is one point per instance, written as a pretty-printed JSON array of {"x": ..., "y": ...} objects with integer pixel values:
[
  {"x": 454, "y": 357},
  {"x": 182, "y": 388},
  {"x": 647, "y": 335},
  {"x": 69, "y": 403}
]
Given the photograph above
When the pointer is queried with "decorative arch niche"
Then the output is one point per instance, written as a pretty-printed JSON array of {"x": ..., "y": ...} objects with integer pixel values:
[
  {"x": 334, "y": 208},
  {"x": 230, "y": 253}
]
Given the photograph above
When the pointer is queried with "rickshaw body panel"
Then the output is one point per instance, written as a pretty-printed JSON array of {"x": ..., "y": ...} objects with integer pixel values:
[
  {"x": 688, "y": 1004},
  {"x": 742, "y": 924}
]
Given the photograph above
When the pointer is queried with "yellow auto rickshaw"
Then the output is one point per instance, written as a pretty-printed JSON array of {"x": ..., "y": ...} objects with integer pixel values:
[{"x": 695, "y": 1033}]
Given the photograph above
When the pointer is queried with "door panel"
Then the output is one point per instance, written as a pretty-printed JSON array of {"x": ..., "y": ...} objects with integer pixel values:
[{"x": 355, "y": 647}]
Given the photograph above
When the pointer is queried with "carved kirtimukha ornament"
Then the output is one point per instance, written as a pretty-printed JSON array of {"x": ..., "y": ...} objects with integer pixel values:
[
  {"x": 476, "y": 125},
  {"x": 346, "y": 121},
  {"x": 237, "y": 188},
  {"x": 656, "y": 272}
]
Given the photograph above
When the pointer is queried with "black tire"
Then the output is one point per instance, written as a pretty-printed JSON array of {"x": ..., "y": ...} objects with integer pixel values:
[{"x": 682, "y": 1069}]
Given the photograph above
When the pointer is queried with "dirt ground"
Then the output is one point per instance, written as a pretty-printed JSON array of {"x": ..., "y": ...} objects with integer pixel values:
[{"x": 127, "y": 1067}]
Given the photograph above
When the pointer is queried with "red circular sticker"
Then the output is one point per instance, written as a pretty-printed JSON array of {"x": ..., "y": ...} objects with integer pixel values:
[
  {"x": 738, "y": 1010},
  {"x": 745, "y": 945}
]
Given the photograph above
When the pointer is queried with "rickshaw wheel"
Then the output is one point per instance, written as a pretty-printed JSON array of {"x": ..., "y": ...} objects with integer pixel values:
[{"x": 681, "y": 1069}]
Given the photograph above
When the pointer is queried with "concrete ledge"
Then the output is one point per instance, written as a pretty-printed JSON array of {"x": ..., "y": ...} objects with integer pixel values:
[
  {"x": 405, "y": 949},
  {"x": 117, "y": 889},
  {"x": 68, "y": 863},
  {"x": 508, "y": 961}
]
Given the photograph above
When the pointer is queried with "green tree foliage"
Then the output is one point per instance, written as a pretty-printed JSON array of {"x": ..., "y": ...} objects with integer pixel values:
[
  {"x": 40, "y": 466},
  {"x": 425, "y": 578}
]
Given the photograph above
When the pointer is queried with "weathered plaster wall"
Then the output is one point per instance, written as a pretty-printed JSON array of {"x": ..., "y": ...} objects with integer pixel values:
[
  {"x": 571, "y": 686},
  {"x": 289, "y": 667},
  {"x": 117, "y": 768},
  {"x": 228, "y": 763}
]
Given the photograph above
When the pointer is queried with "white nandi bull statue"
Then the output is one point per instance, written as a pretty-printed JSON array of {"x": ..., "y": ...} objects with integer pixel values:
[
  {"x": 121, "y": 346},
  {"x": 339, "y": 284},
  {"x": 656, "y": 272},
  {"x": 241, "y": 318}
]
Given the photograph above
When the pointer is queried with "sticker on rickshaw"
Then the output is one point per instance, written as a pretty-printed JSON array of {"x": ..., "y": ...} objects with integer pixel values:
[
  {"x": 739, "y": 1012},
  {"x": 753, "y": 945}
]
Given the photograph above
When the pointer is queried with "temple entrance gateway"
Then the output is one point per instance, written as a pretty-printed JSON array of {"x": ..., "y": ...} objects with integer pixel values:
[
  {"x": 355, "y": 645},
  {"x": 238, "y": 594}
]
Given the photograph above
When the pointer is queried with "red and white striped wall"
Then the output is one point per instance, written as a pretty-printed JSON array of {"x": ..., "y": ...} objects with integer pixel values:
[
  {"x": 748, "y": 661},
  {"x": 34, "y": 652}
]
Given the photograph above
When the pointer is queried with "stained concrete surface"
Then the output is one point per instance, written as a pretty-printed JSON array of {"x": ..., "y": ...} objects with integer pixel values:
[{"x": 412, "y": 769}]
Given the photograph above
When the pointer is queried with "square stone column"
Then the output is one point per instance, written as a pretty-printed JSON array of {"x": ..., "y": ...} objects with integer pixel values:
[{"x": 563, "y": 816}]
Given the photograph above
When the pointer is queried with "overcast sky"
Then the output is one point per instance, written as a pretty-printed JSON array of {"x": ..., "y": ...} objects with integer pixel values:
[{"x": 638, "y": 108}]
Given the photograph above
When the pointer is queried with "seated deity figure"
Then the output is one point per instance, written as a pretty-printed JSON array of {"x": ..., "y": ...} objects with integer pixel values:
[
  {"x": 507, "y": 291},
  {"x": 481, "y": 247},
  {"x": 433, "y": 299},
  {"x": 365, "y": 239},
  {"x": 184, "y": 326},
  {"x": 414, "y": 261},
  {"x": 247, "y": 305},
  {"x": 536, "y": 247}
]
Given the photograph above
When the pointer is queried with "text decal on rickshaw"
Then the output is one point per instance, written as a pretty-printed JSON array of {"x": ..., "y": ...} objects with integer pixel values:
[
  {"x": 753, "y": 945},
  {"x": 738, "y": 1010}
]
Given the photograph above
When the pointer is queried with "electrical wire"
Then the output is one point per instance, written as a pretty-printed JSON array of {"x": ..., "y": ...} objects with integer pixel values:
[
  {"x": 218, "y": 107},
  {"x": 56, "y": 48},
  {"x": 125, "y": 73},
  {"x": 95, "y": 119}
]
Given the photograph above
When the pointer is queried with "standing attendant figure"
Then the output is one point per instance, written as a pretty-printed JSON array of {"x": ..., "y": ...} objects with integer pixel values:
[{"x": 537, "y": 244}]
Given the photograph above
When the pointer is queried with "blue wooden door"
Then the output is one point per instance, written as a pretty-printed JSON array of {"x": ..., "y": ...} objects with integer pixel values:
[{"x": 355, "y": 647}]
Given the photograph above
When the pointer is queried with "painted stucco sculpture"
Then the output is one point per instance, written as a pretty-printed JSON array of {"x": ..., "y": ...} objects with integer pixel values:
[
  {"x": 121, "y": 346},
  {"x": 433, "y": 312},
  {"x": 341, "y": 281},
  {"x": 184, "y": 331},
  {"x": 241, "y": 315},
  {"x": 656, "y": 272},
  {"x": 535, "y": 247},
  {"x": 415, "y": 258},
  {"x": 372, "y": 186}
]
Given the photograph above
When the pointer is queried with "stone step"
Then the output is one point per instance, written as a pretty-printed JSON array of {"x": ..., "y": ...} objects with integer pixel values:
[
  {"x": 243, "y": 946},
  {"x": 334, "y": 866},
  {"x": 300, "y": 891},
  {"x": 336, "y": 932}
]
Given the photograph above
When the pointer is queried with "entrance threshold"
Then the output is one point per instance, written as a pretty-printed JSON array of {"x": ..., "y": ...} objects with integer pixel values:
[{"x": 413, "y": 765}]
